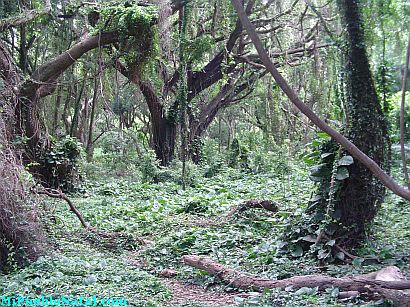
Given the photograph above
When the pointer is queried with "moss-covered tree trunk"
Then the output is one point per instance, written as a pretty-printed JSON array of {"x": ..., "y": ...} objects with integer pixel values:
[{"x": 361, "y": 194}]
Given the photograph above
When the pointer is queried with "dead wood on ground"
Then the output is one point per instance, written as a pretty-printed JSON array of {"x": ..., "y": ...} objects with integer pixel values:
[
  {"x": 387, "y": 283},
  {"x": 59, "y": 194},
  {"x": 255, "y": 204}
]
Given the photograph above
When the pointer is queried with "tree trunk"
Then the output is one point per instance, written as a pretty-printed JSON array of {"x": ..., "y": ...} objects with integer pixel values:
[
  {"x": 402, "y": 113},
  {"x": 163, "y": 137},
  {"x": 200, "y": 123},
  {"x": 56, "y": 114},
  {"x": 90, "y": 142},
  {"x": 64, "y": 116},
  {"x": 77, "y": 108},
  {"x": 163, "y": 126},
  {"x": 361, "y": 194}
]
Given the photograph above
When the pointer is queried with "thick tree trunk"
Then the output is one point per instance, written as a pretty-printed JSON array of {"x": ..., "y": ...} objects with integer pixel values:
[
  {"x": 163, "y": 126},
  {"x": 362, "y": 193},
  {"x": 163, "y": 137}
]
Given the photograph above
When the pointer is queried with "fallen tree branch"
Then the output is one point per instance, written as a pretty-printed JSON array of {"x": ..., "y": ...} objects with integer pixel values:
[
  {"x": 59, "y": 194},
  {"x": 386, "y": 283},
  {"x": 255, "y": 204}
]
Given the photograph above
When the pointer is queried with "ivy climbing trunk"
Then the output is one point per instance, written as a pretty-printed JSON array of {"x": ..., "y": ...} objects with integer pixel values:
[
  {"x": 361, "y": 193},
  {"x": 183, "y": 89},
  {"x": 362, "y": 210}
]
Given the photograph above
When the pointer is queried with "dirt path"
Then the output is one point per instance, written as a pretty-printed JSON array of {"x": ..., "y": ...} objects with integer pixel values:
[
  {"x": 183, "y": 292},
  {"x": 189, "y": 293}
]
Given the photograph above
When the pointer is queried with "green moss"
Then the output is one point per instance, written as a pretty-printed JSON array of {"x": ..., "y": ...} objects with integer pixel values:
[
  {"x": 134, "y": 24},
  {"x": 128, "y": 20}
]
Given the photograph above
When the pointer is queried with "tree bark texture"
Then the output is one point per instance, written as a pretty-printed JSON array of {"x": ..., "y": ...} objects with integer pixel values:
[{"x": 362, "y": 193}]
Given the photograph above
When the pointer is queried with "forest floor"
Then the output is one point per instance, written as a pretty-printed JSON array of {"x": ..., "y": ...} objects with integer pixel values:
[{"x": 160, "y": 223}]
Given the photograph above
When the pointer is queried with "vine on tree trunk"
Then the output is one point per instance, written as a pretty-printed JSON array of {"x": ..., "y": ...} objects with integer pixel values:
[{"x": 183, "y": 88}]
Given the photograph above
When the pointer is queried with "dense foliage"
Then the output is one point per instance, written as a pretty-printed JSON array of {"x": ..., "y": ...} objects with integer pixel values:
[{"x": 156, "y": 121}]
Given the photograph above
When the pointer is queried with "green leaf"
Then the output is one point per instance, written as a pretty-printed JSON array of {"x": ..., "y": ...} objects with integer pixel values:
[
  {"x": 340, "y": 255},
  {"x": 303, "y": 290},
  {"x": 297, "y": 251},
  {"x": 323, "y": 136},
  {"x": 323, "y": 254},
  {"x": 335, "y": 292},
  {"x": 319, "y": 170},
  {"x": 346, "y": 160},
  {"x": 326, "y": 154},
  {"x": 342, "y": 173},
  {"x": 309, "y": 238},
  {"x": 90, "y": 279},
  {"x": 357, "y": 262}
]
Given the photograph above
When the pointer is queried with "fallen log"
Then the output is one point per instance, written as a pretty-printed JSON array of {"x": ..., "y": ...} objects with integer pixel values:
[
  {"x": 387, "y": 283},
  {"x": 255, "y": 204}
]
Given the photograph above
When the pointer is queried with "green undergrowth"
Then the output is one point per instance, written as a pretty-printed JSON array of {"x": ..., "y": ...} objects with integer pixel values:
[
  {"x": 76, "y": 269},
  {"x": 195, "y": 221}
]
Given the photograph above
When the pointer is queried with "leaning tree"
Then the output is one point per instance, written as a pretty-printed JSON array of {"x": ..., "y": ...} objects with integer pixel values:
[
  {"x": 130, "y": 28},
  {"x": 365, "y": 172}
]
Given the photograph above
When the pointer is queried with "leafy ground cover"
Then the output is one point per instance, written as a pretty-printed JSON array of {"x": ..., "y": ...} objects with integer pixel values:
[{"x": 195, "y": 221}]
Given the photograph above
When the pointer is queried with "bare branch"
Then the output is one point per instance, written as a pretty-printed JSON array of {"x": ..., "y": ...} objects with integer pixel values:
[{"x": 59, "y": 194}]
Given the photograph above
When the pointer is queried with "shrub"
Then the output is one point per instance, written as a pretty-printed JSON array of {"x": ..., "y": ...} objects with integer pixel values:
[{"x": 61, "y": 164}]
